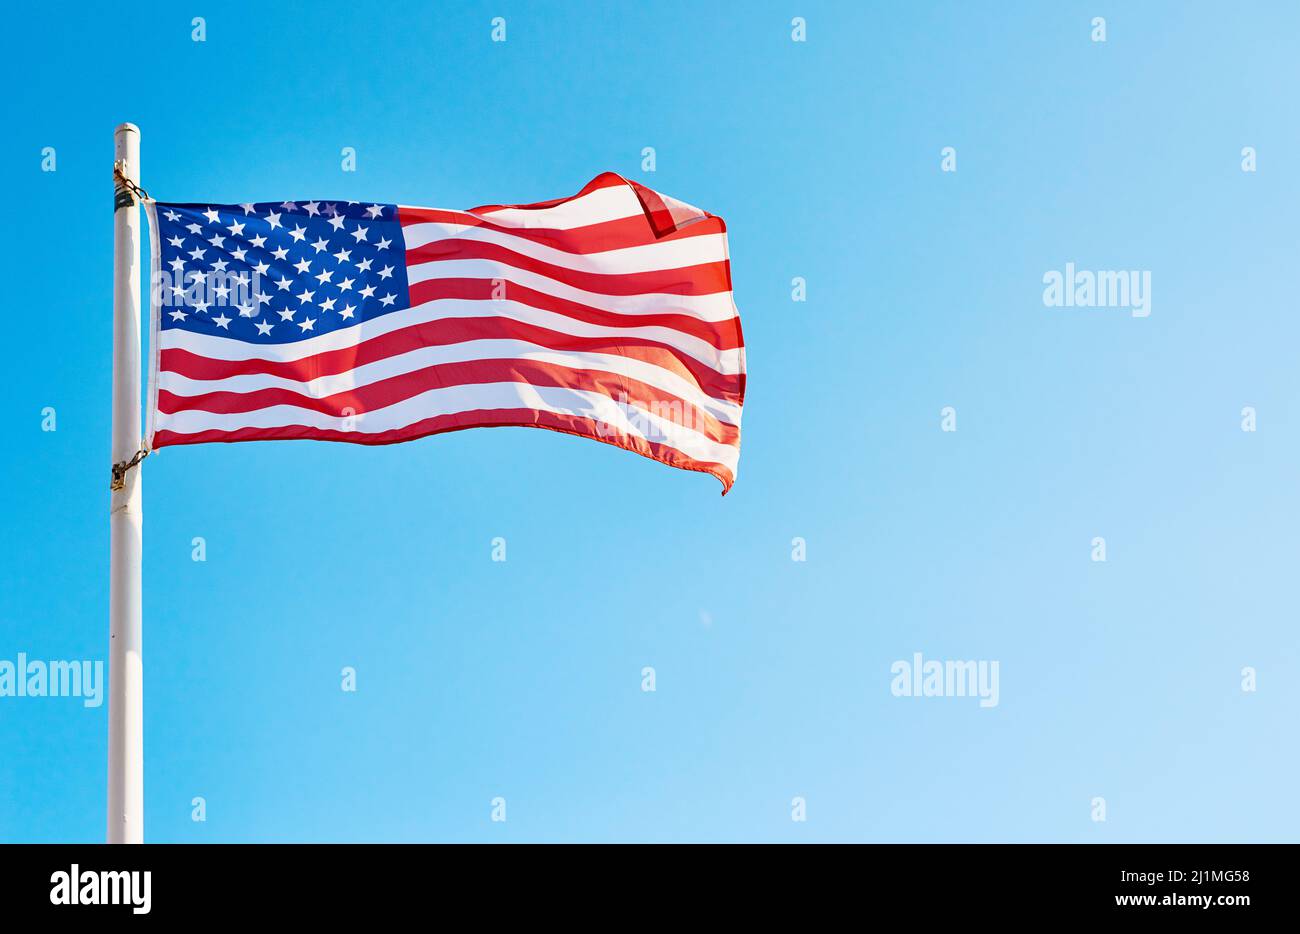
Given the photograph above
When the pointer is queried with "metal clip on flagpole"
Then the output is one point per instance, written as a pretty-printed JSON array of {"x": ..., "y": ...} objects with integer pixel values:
[
  {"x": 125, "y": 189},
  {"x": 125, "y": 667},
  {"x": 118, "y": 481}
]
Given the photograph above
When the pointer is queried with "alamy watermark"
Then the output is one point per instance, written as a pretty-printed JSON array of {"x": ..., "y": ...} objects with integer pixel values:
[
  {"x": 945, "y": 678},
  {"x": 58, "y": 678},
  {"x": 200, "y": 291},
  {"x": 1105, "y": 288},
  {"x": 652, "y": 419},
  {"x": 77, "y": 886}
]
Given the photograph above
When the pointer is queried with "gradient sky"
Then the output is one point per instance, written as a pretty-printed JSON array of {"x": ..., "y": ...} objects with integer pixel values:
[{"x": 522, "y": 679}]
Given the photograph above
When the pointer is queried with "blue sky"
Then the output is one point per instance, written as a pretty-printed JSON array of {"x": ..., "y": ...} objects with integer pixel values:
[{"x": 522, "y": 679}]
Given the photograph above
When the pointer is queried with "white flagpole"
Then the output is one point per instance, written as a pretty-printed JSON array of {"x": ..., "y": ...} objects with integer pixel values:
[{"x": 126, "y": 673}]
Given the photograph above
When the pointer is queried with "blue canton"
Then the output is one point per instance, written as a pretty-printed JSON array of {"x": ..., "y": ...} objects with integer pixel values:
[{"x": 271, "y": 273}]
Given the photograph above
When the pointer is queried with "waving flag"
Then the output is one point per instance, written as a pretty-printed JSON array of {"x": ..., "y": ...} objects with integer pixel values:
[{"x": 607, "y": 315}]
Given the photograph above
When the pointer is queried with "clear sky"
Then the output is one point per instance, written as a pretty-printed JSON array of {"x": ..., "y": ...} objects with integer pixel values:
[{"x": 522, "y": 679}]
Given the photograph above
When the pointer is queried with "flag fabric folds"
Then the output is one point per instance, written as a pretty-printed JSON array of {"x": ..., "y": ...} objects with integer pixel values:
[{"x": 607, "y": 315}]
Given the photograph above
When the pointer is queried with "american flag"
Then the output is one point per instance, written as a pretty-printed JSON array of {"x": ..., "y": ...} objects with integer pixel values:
[{"x": 607, "y": 315}]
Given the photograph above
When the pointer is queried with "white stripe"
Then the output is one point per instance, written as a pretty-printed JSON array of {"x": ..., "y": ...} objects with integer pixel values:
[
  {"x": 647, "y": 257},
  {"x": 469, "y": 351},
  {"x": 455, "y": 399},
  {"x": 726, "y": 362},
  {"x": 716, "y": 306},
  {"x": 596, "y": 207}
]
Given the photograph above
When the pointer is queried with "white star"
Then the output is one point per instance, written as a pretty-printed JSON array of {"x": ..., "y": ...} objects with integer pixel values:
[
  {"x": 178, "y": 264},
  {"x": 368, "y": 291},
  {"x": 236, "y": 229},
  {"x": 342, "y": 255},
  {"x": 307, "y": 324},
  {"x": 261, "y": 269},
  {"x": 171, "y": 215},
  {"x": 222, "y": 321},
  {"x": 263, "y": 327},
  {"x": 336, "y": 221},
  {"x": 360, "y": 233},
  {"x": 262, "y": 298},
  {"x": 386, "y": 272},
  {"x": 345, "y": 285},
  {"x": 328, "y": 304},
  {"x": 312, "y": 208},
  {"x": 302, "y": 265},
  {"x": 283, "y": 284},
  {"x": 321, "y": 244},
  {"x": 194, "y": 228},
  {"x": 216, "y": 240},
  {"x": 259, "y": 241},
  {"x": 387, "y": 300},
  {"x": 178, "y": 315},
  {"x": 273, "y": 219},
  {"x": 324, "y": 277},
  {"x": 375, "y": 210},
  {"x": 247, "y": 311},
  {"x": 364, "y": 265},
  {"x": 177, "y": 242},
  {"x": 305, "y": 297},
  {"x": 202, "y": 307},
  {"x": 384, "y": 244},
  {"x": 211, "y": 215},
  {"x": 197, "y": 253},
  {"x": 286, "y": 314},
  {"x": 280, "y": 253},
  {"x": 299, "y": 233},
  {"x": 239, "y": 253},
  {"x": 346, "y": 312},
  {"x": 219, "y": 266},
  {"x": 248, "y": 208}
]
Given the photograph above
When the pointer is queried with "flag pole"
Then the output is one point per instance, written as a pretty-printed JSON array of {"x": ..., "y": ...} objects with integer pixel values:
[{"x": 126, "y": 673}]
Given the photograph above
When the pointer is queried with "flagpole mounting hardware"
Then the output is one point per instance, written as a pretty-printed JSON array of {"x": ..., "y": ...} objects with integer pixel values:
[
  {"x": 119, "y": 470},
  {"x": 124, "y": 184}
]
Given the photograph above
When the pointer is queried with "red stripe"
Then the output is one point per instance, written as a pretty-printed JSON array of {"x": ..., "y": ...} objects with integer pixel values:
[
  {"x": 447, "y": 331},
  {"x": 699, "y": 279},
  {"x": 724, "y": 335},
  {"x": 385, "y": 392},
  {"x": 657, "y": 212},
  {"x": 522, "y": 418}
]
